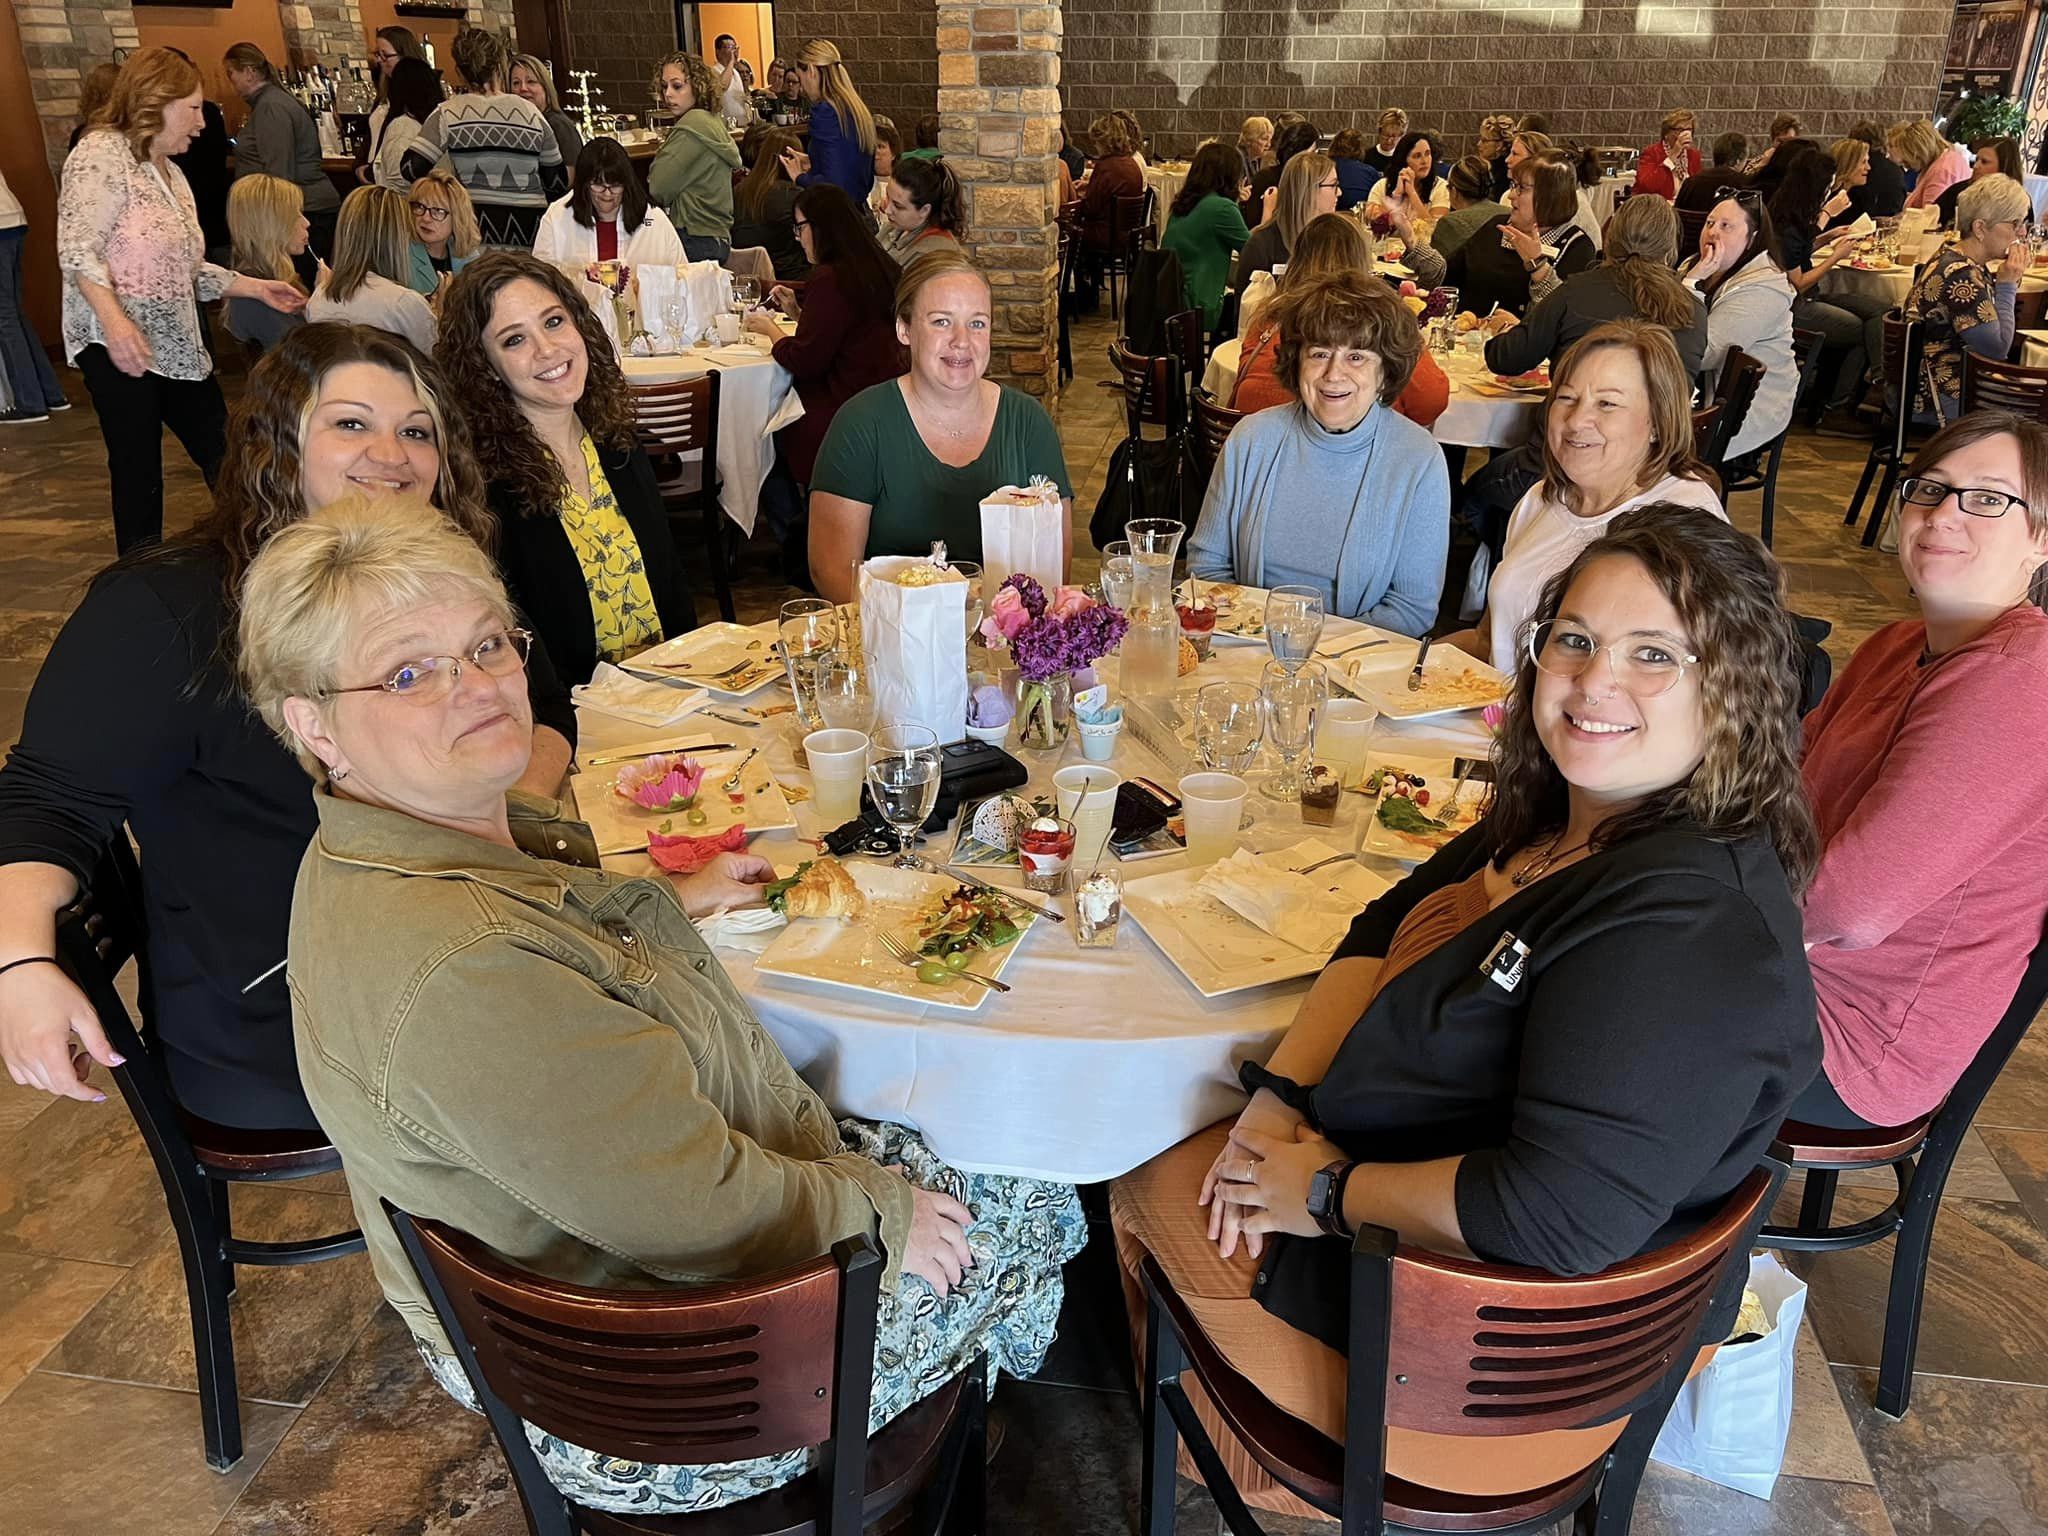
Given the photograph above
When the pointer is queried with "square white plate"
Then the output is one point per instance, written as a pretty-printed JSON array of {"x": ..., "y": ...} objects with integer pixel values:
[
  {"x": 620, "y": 826},
  {"x": 1220, "y": 952},
  {"x": 838, "y": 953},
  {"x": 1240, "y": 611},
  {"x": 1439, "y": 776},
  {"x": 1382, "y": 676},
  {"x": 703, "y": 656}
]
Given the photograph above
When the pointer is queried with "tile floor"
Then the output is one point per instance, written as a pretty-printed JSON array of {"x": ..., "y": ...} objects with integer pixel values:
[{"x": 99, "y": 1425}]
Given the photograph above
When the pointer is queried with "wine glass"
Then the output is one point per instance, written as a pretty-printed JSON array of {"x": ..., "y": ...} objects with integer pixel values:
[
  {"x": 809, "y": 630},
  {"x": 746, "y": 293},
  {"x": 845, "y": 699},
  {"x": 1294, "y": 697},
  {"x": 903, "y": 775},
  {"x": 1229, "y": 723},
  {"x": 1294, "y": 623}
]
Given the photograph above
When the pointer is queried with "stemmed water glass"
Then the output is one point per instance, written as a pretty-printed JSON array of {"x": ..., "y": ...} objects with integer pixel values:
[
  {"x": 903, "y": 775},
  {"x": 1230, "y": 721},
  {"x": 845, "y": 699},
  {"x": 1294, "y": 697},
  {"x": 809, "y": 631},
  {"x": 746, "y": 293},
  {"x": 1294, "y": 623}
]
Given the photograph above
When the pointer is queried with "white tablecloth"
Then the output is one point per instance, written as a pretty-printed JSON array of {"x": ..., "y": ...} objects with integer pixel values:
[
  {"x": 1098, "y": 1060},
  {"x": 1470, "y": 420},
  {"x": 1895, "y": 284},
  {"x": 2037, "y": 189},
  {"x": 755, "y": 399},
  {"x": 1165, "y": 182},
  {"x": 2034, "y": 348},
  {"x": 1605, "y": 193}
]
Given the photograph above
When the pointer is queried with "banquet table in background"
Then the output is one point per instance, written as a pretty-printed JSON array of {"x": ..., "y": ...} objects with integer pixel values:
[
  {"x": 1471, "y": 420},
  {"x": 1606, "y": 192},
  {"x": 1099, "y": 1059},
  {"x": 755, "y": 399},
  {"x": 1165, "y": 180},
  {"x": 1895, "y": 283}
]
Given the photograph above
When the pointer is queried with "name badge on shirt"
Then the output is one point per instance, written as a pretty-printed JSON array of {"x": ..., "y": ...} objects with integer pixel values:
[{"x": 1504, "y": 963}]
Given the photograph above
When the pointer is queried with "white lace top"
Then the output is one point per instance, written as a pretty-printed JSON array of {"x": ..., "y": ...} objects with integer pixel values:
[{"x": 123, "y": 224}]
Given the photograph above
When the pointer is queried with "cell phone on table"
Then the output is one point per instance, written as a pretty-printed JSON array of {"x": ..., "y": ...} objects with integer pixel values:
[{"x": 1139, "y": 823}]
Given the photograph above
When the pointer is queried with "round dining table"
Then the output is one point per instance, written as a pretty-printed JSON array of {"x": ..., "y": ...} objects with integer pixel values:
[
  {"x": 1097, "y": 1060},
  {"x": 1165, "y": 180},
  {"x": 1481, "y": 414}
]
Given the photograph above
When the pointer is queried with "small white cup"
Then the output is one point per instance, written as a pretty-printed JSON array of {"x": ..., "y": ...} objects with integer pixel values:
[
  {"x": 1343, "y": 734},
  {"x": 1211, "y": 806},
  {"x": 838, "y": 762},
  {"x": 1087, "y": 797},
  {"x": 728, "y": 329}
]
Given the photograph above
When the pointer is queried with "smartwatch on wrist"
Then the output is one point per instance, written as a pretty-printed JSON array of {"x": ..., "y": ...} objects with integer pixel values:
[{"x": 1326, "y": 1198}]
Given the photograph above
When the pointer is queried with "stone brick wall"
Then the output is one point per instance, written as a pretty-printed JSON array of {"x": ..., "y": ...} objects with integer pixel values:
[
  {"x": 322, "y": 31},
  {"x": 889, "y": 47},
  {"x": 60, "y": 43},
  {"x": 1603, "y": 73},
  {"x": 999, "y": 103},
  {"x": 620, "y": 41}
]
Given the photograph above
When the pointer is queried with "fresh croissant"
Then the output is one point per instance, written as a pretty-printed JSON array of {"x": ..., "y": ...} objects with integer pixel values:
[{"x": 823, "y": 888}]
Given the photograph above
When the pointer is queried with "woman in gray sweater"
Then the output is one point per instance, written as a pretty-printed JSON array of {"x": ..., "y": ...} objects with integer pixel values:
[{"x": 1336, "y": 491}]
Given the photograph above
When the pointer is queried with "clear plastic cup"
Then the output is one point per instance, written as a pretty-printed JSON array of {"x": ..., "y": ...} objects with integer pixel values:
[
  {"x": 1211, "y": 806},
  {"x": 838, "y": 761}
]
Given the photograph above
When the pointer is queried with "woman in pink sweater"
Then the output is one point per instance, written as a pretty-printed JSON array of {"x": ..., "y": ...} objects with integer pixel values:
[
  {"x": 1927, "y": 765},
  {"x": 1939, "y": 164}
]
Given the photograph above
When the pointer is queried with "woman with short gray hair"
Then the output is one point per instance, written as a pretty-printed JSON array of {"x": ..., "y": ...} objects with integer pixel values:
[{"x": 1965, "y": 299}]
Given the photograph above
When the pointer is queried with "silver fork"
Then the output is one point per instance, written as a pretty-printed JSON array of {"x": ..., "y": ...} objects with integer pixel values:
[
  {"x": 902, "y": 952},
  {"x": 1335, "y": 858}
]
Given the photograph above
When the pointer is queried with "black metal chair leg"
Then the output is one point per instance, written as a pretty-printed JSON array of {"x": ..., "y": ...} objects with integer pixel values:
[
  {"x": 224, "y": 1222},
  {"x": 1771, "y": 489},
  {"x": 715, "y": 534},
  {"x": 1818, "y": 1202},
  {"x": 1158, "y": 1487},
  {"x": 1885, "y": 487},
  {"x": 1908, "y": 1293},
  {"x": 1862, "y": 489},
  {"x": 191, "y": 1205},
  {"x": 966, "y": 1511}
]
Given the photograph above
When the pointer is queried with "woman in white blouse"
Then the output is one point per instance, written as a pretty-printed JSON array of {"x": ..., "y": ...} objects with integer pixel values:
[
  {"x": 372, "y": 261},
  {"x": 133, "y": 256},
  {"x": 606, "y": 217}
]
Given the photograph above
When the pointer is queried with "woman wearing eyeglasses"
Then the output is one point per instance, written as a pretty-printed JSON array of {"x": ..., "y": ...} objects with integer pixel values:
[
  {"x": 1474, "y": 1068},
  {"x": 445, "y": 238},
  {"x": 1308, "y": 187},
  {"x": 1967, "y": 298},
  {"x": 1927, "y": 766}
]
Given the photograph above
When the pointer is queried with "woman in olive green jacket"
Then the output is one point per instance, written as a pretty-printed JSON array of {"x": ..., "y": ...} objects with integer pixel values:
[
  {"x": 691, "y": 177},
  {"x": 549, "y": 1057}
]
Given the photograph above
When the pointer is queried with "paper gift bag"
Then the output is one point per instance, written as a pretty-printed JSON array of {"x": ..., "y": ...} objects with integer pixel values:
[
  {"x": 1023, "y": 532},
  {"x": 916, "y": 644}
]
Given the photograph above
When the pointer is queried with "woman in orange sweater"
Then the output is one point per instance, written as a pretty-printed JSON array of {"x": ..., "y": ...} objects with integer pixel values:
[{"x": 1328, "y": 245}]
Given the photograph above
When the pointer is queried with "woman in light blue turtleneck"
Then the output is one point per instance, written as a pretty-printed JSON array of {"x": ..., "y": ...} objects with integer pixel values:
[{"x": 1336, "y": 491}]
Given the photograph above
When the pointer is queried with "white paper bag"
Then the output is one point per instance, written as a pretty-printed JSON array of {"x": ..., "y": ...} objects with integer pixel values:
[
  {"x": 1023, "y": 532},
  {"x": 916, "y": 644},
  {"x": 1729, "y": 1423}
]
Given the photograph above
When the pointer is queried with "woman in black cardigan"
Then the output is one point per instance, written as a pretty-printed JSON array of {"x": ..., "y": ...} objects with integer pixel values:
[
  {"x": 583, "y": 537},
  {"x": 136, "y": 721},
  {"x": 1566, "y": 1038}
]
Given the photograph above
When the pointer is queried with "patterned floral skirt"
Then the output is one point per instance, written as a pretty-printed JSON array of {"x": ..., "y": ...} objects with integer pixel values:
[{"x": 1023, "y": 1233}]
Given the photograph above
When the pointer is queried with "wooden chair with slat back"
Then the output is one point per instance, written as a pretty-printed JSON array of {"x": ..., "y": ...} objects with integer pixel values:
[
  {"x": 674, "y": 421},
  {"x": 1706, "y": 421},
  {"x": 1448, "y": 1346},
  {"x": 2030, "y": 307},
  {"x": 1130, "y": 229},
  {"x": 1989, "y": 384},
  {"x": 1150, "y": 385},
  {"x": 1741, "y": 377},
  {"x": 700, "y": 1375},
  {"x": 1920, "y": 1155},
  {"x": 1213, "y": 423},
  {"x": 1806, "y": 348},
  {"x": 1897, "y": 433},
  {"x": 195, "y": 1159}
]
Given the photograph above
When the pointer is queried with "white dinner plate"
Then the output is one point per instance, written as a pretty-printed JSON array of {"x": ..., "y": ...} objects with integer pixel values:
[
  {"x": 1452, "y": 682},
  {"x": 1220, "y": 952},
  {"x": 837, "y": 952},
  {"x": 1390, "y": 833},
  {"x": 620, "y": 826},
  {"x": 703, "y": 656}
]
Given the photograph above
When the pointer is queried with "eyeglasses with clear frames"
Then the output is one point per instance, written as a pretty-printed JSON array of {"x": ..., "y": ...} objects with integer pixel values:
[
  {"x": 1977, "y": 500},
  {"x": 1642, "y": 666},
  {"x": 428, "y": 679}
]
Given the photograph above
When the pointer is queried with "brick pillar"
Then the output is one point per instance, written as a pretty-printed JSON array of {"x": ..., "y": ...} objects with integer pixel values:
[
  {"x": 322, "y": 32},
  {"x": 999, "y": 110},
  {"x": 61, "y": 41}
]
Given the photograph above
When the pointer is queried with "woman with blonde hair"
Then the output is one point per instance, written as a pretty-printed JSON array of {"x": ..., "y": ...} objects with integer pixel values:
[
  {"x": 842, "y": 129},
  {"x": 1393, "y": 127},
  {"x": 1919, "y": 146},
  {"x": 134, "y": 263},
  {"x": 1664, "y": 167},
  {"x": 267, "y": 219},
  {"x": 1617, "y": 434},
  {"x": 445, "y": 238},
  {"x": 1254, "y": 143},
  {"x": 372, "y": 260},
  {"x": 1308, "y": 187},
  {"x": 690, "y": 177},
  {"x": 530, "y": 79}
]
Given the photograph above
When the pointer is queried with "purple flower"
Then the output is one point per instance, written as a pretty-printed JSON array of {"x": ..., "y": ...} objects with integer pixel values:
[
  {"x": 1048, "y": 646},
  {"x": 1031, "y": 592}
]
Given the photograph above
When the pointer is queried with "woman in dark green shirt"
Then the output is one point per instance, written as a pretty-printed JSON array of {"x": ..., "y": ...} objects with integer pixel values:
[
  {"x": 1206, "y": 229},
  {"x": 910, "y": 461}
]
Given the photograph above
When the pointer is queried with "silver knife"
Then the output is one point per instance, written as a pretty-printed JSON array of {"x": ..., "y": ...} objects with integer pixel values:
[
  {"x": 648, "y": 749},
  {"x": 1421, "y": 656}
]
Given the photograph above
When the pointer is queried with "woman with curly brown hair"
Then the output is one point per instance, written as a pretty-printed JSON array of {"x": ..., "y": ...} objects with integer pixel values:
[
  {"x": 691, "y": 174},
  {"x": 1474, "y": 1067},
  {"x": 136, "y": 722},
  {"x": 583, "y": 536}
]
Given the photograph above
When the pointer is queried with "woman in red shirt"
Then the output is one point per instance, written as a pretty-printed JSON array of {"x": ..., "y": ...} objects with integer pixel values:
[
  {"x": 1328, "y": 244},
  {"x": 1927, "y": 765},
  {"x": 1664, "y": 166},
  {"x": 1115, "y": 173}
]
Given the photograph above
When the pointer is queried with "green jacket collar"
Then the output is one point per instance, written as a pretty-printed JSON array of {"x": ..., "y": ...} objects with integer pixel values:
[{"x": 374, "y": 838}]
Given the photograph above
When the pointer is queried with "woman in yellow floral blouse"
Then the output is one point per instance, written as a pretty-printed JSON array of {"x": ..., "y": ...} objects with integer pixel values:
[
  {"x": 583, "y": 537},
  {"x": 1966, "y": 298}
]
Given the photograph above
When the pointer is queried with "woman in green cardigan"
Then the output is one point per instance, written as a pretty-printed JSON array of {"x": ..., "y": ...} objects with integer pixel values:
[
  {"x": 691, "y": 175},
  {"x": 1206, "y": 229}
]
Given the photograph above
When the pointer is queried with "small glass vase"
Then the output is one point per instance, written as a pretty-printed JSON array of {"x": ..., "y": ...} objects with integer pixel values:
[{"x": 1045, "y": 711}]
